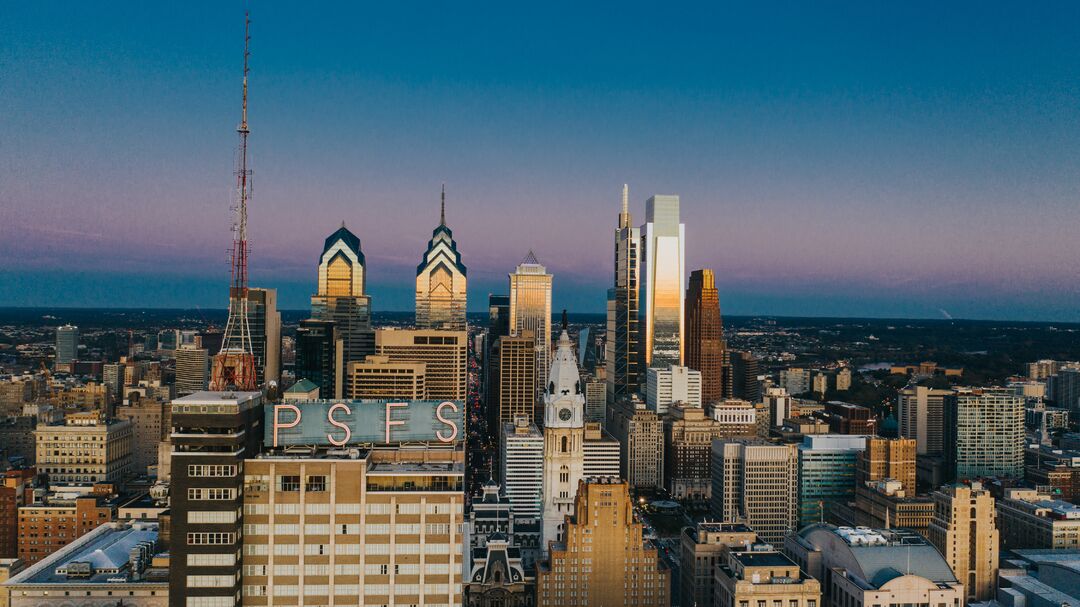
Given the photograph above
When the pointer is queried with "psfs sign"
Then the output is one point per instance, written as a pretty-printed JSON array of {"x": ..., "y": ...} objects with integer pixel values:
[{"x": 357, "y": 422}]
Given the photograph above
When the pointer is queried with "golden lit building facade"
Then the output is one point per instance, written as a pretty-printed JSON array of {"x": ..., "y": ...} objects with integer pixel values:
[
  {"x": 377, "y": 528},
  {"x": 603, "y": 559},
  {"x": 758, "y": 576},
  {"x": 378, "y": 377},
  {"x": 85, "y": 449},
  {"x": 663, "y": 271},
  {"x": 445, "y": 355},
  {"x": 530, "y": 310},
  {"x": 342, "y": 296},
  {"x": 964, "y": 530},
  {"x": 886, "y": 458},
  {"x": 517, "y": 377},
  {"x": 440, "y": 281}
]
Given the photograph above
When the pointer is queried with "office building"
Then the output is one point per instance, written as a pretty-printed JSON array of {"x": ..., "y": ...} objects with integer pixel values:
[
  {"x": 602, "y": 559},
  {"x": 1028, "y": 518},
  {"x": 760, "y": 575},
  {"x": 15, "y": 489},
  {"x": 264, "y": 321},
  {"x": 688, "y": 437},
  {"x": 499, "y": 568},
  {"x": 85, "y": 448},
  {"x": 756, "y": 482},
  {"x": 886, "y": 504},
  {"x": 745, "y": 376},
  {"x": 965, "y": 532},
  {"x": 640, "y": 433},
  {"x": 843, "y": 379},
  {"x": 795, "y": 380},
  {"x": 736, "y": 417},
  {"x": 779, "y": 404},
  {"x": 920, "y": 411},
  {"x": 601, "y": 452},
  {"x": 1042, "y": 369},
  {"x": 595, "y": 401},
  {"x": 212, "y": 434},
  {"x": 342, "y": 296},
  {"x": 378, "y": 377},
  {"x": 874, "y": 566},
  {"x": 670, "y": 385},
  {"x": 67, "y": 346},
  {"x": 701, "y": 549},
  {"x": 49, "y": 525},
  {"x": 334, "y": 527},
  {"x": 888, "y": 458},
  {"x": 984, "y": 434},
  {"x": 440, "y": 280},
  {"x": 115, "y": 564},
  {"x": 705, "y": 334},
  {"x": 530, "y": 310},
  {"x": 826, "y": 474},
  {"x": 662, "y": 287},
  {"x": 1063, "y": 388},
  {"x": 320, "y": 357},
  {"x": 17, "y": 439},
  {"x": 522, "y": 467},
  {"x": 150, "y": 424},
  {"x": 192, "y": 370},
  {"x": 445, "y": 355},
  {"x": 623, "y": 346},
  {"x": 498, "y": 326},
  {"x": 516, "y": 386},
  {"x": 112, "y": 375},
  {"x": 846, "y": 418}
]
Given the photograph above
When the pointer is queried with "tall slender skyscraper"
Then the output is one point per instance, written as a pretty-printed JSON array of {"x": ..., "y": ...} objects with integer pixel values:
[
  {"x": 705, "y": 334},
  {"x": 265, "y": 322},
  {"x": 662, "y": 283},
  {"x": 530, "y": 310},
  {"x": 341, "y": 296},
  {"x": 67, "y": 344},
  {"x": 623, "y": 351},
  {"x": 440, "y": 281}
]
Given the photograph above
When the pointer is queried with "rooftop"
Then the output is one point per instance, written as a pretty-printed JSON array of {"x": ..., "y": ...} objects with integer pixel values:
[
  {"x": 103, "y": 556},
  {"x": 761, "y": 558},
  {"x": 302, "y": 387}
]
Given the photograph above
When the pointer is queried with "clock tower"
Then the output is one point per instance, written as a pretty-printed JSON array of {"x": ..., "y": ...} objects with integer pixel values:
[{"x": 564, "y": 439}]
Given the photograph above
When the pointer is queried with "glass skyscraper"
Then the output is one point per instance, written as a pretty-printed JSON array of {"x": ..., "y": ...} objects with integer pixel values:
[
  {"x": 663, "y": 285},
  {"x": 623, "y": 352},
  {"x": 440, "y": 281},
  {"x": 67, "y": 344},
  {"x": 341, "y": 297},
  {"x": 530, "y": 310}
]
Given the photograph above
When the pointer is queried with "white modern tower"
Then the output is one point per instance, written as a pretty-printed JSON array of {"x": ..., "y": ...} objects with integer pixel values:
[{"x": 663, "y": 283}]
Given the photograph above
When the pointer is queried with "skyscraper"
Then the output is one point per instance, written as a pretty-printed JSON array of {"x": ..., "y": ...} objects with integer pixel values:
[
  {"x": 440, "y": 281},
  {"x": 265, "y": 322},
  {"x": 705, "y": 334},
  {"x": 826, "y": 473},
  {"x": 756, "y": 482},
  {"x": 920, "y": 413},
  {"x": 342, "y": 295},
  {"x": 623, "y": 352},
  {"x": 318, "y": 357},
  {"x": 192, "y": 370},
  {"x": 669, "y": 385},
  {"x": 530, "y": 310},
  {"x": 640, "y": 433},
  {"x": 517, "y": 378},
  {"x": 964, "y": 530},
  {"x": 662, "y": 283},
  {"x": 67, "y": 344},
  {"x": 984, "y": 434},
  {"x": 445, "y": 355}
]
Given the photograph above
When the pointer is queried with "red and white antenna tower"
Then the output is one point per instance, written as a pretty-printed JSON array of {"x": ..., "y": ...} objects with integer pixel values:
[{"x": 234, "y": 366}]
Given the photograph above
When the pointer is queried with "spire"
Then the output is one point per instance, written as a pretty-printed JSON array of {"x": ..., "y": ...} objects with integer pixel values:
[
  {"x": 530, "y": 259},
  {"x": 624, "y": 215},
  {"x": 342, "y": 224},
  {"x": 442, "y": 208}
]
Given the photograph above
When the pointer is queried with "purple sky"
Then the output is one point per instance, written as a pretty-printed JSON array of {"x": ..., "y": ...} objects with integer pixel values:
[{"x": 888, "y": 161}]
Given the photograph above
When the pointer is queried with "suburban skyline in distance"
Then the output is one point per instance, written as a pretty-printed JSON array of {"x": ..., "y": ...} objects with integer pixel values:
[{"x": 870, "y": 162}]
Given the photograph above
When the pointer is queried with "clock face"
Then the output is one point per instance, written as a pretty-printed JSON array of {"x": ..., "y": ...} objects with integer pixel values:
[{"x": 564, "y": 414}]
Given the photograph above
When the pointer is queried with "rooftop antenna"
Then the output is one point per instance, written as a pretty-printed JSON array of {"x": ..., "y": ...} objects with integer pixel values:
[
  {"x": 234, "y": 366},
  {"x": 442, "y": 208}
]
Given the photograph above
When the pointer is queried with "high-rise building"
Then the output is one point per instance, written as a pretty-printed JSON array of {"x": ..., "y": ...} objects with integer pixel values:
[
  {"x": 848, "y": 418},
  {"x": 440, "y": 281},
  {"x": 522, "y": 467},
  {"x": 623, "y": 348},
  {"x": 701, "y": 550},
  {"x": 150, "y": 424},
  {"x": 795, "y": 380},
  {"x": 688, "y": 437},
  {"x": 779, "y": 404},
  {"x": 264, "y": 320},
  {"x": 1063, "y": 387},
  {"x": 603, "y": 559},
  {"x": 212, "y": 434},
  {"x": 445, "y": 355},
  {"x": 920, "y": 411},
  {"x": 745, "y": 371},
  {"x": 984, "y": 434},
  {"x": 760, "y": 575},
  {"x": 319, "y": 357},
  {"x": 516, "y": 387},
  {"x": 756, "y": 482},
  {"x": 342, "y": 295},
  {"x": 112, "y": 375},
  {"x": 888, "y": 459},
  {"x": 826, "y": 473},
  {"x": 564, "y": 439},
  {"x": 192, "y": 370},
  {"x": 67, "y": 344},
  {"x": 663, "y": 271},
  {"x": 85, "y": 448},
  {"x": 380, "y": 378},
  {"x": 670, "y": 385},
  {"x": 705, "y": 334},
  {"x": 965, "y": 531},
  {"x": 498, "y": 326},
  {"x": 530, "y": 310},
  {"x": 595, "y": 401},
  {"x": 640, "y": 433}
]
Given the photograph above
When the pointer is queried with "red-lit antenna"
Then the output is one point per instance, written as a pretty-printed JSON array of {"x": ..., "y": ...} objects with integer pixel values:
[{"x": 234, "y": 366}]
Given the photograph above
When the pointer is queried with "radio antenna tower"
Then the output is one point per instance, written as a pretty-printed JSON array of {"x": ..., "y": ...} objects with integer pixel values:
[{"x": 234, "y": 366}]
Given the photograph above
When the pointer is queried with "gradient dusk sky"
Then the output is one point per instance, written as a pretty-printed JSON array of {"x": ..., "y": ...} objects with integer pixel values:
[{"x": 917, "y": 159}]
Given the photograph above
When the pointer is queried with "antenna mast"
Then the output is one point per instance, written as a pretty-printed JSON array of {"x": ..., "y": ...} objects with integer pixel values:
[{"x": 234, "y": 366}]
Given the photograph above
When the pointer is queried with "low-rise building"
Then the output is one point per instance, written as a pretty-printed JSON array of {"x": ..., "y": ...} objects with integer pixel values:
[
  {"x": 701, "y": 550},
  {"x": 85, "y": 448},
  {"x": 757, "y": 575},
  {"x": 48, "y": 526},
  {"x": 1030, "y": 519}
]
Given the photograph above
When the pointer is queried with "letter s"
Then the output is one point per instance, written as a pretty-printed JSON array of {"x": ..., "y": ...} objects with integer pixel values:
[{"x": 448, "y": 422}]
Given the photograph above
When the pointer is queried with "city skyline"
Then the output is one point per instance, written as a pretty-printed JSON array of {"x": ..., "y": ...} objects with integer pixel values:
[{"x": 873, "y": 164}]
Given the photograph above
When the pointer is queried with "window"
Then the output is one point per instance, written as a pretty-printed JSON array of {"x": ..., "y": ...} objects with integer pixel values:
[
  {"x": 211, "y": 470},
  {"x": 210, "y": 581},
  {"x": 288, "y": 483},
  {"x": 210, "y": 601},
  {"x": 248, "y": 591},
  {"x": 210, "y": 538},
  {"x": 211, "y": 560},
  {"x": 256, "y": 508},
  {"x": 286, "y": 508},
  {"x": 316, "y": 483},
  {"x": 211, "y": 493},
  {"x": 199, "y": 516},
  {"x": 310, "y": 569}
]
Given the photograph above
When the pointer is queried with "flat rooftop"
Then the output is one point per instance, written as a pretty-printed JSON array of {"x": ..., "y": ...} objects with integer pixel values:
[
  {"x": 753, "y": 558},
  {"x": 106, "y": 551}
]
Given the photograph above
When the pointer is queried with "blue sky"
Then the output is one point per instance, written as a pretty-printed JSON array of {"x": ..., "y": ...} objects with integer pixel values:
[{"x": 842, "y": 158}]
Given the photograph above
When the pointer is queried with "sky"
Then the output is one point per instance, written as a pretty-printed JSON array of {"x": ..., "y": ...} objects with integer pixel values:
[{"x": 915, "y": 159}]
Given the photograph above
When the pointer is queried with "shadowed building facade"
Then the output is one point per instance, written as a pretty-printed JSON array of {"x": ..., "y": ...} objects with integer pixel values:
[{"x": 623, "y": 350}]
